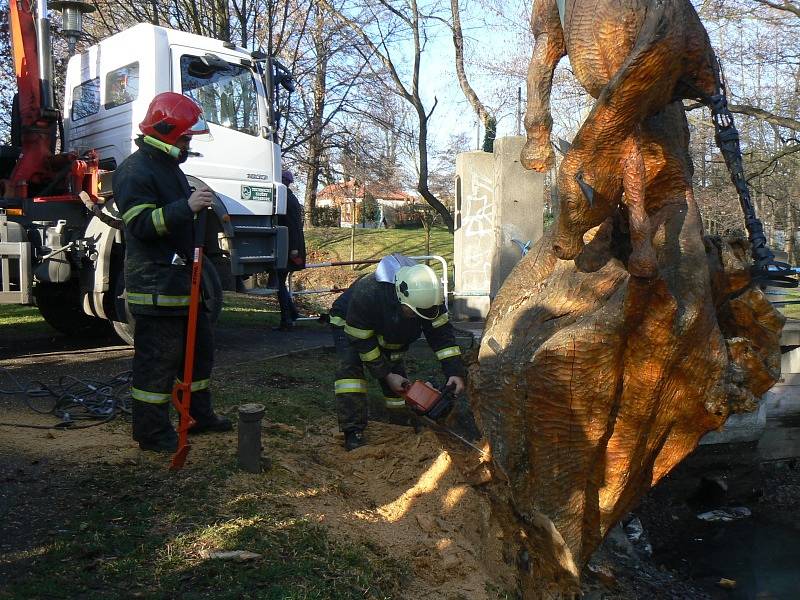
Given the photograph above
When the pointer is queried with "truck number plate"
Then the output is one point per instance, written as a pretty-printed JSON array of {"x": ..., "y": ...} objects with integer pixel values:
[{"x": 255, "y": 192}]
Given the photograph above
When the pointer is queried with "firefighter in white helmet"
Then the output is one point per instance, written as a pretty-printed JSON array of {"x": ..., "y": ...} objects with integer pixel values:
[{"x": 373, "y": 323}]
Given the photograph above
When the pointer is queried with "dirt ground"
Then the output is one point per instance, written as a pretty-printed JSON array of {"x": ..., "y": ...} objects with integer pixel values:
[{"x": 401, "y": 493}]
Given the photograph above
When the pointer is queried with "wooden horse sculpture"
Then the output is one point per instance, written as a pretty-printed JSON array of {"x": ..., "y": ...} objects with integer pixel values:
[
  {"x": 596, "y": 377},
  {"x": 636, "y": 57}
]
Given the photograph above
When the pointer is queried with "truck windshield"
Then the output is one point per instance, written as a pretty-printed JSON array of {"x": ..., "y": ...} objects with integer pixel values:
[{"x": 226, "y": 93}]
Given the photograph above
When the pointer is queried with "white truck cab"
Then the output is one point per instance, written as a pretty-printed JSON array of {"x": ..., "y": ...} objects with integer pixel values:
[{"x": 107, "y": 92}]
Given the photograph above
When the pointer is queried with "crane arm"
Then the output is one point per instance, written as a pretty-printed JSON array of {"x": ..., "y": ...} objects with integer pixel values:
[{"x": 38, "y": 122}]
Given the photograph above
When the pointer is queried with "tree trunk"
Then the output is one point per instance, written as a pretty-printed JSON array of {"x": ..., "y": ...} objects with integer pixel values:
[
  {"x": 592, "y": 383},
  {"x": 791, "y": 235},
  {"x": 222, "y": 22},
  {"x": 315, "y": 142},
  {"x": 422, "y": 182},
  {"x": 427, "y": 239},
  {"x": 472, "y": 97}
]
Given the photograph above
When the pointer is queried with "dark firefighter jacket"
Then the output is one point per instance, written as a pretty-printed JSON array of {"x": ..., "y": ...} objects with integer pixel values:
[
  {"x": 151, "y": 195},
  {"x": 293, "y": 221},
  {"x": 375, "y": 325}
]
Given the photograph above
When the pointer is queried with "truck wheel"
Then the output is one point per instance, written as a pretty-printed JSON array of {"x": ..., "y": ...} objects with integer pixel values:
[
  {"x": 123, "y": 322},
  {"x": 212, "y": 291},
  {"x": 222, "y": 263},
  {"x": 60, "y": 305}
]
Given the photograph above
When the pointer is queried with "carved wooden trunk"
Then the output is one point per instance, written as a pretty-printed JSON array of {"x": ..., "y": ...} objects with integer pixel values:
[{"x": 592, "y": 384}]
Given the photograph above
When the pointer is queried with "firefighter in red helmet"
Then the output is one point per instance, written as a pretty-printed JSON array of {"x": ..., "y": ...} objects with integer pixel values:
[{"x": 158, "y": 207}]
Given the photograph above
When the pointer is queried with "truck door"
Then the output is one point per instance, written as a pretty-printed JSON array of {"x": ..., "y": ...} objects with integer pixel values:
[{"x": 236, "y": 160}]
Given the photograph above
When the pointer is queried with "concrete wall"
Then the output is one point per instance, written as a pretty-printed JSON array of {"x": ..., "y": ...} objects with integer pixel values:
[
  {"x": 474, "y": 234},
  {"x": 497, "y": 200},
  {"x": 519, "y": 203},
  {"x": 781, "y": 438}
]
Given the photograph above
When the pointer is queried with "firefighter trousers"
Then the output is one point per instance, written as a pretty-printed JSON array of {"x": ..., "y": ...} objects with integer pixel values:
[
  {"x": 289, "y": 312},
  {"x": 159, "y": 346},
  {"x": 350, "y": 387}
]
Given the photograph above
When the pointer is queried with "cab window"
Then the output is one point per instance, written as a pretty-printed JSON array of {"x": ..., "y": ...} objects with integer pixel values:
[
  {"x": 85, "y": 99},
  {"x": 225, "y": 91},
  {"x": 122, "y": 85}
]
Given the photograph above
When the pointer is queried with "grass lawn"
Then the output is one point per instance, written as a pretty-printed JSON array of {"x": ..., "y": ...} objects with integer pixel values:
[
  {"x": 250, "y": 311},
  {"x": 334, "y": 243},
  {"x": 792, "y": 311},
  {"x": 142, "y": 531},
  {"x": 13, "y": 316}
]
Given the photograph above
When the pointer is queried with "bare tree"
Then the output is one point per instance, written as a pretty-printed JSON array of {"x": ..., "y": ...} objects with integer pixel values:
[
  {"x": 757, "y": 42},
  {"x": 388, "y": 21},
  {"x": 8, "y": 81}
]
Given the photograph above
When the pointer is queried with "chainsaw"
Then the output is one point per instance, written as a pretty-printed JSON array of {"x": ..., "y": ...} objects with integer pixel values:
[{"x": 430, "y": 405}]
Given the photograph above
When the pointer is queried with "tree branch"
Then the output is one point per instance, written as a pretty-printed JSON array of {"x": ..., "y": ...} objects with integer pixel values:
[
  {"x": 784, "y": 5},
  {"x": 358, "y": 30},
  {"x": 775, "y": 158},
  {"x": 759, "y": 113}
]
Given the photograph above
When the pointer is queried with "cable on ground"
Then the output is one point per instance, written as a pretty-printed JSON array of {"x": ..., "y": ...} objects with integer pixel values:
[{"x": 72, "y": 400}]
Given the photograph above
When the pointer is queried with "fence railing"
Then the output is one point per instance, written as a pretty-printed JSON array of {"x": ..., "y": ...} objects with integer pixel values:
[{"x": 344, "y": 263}]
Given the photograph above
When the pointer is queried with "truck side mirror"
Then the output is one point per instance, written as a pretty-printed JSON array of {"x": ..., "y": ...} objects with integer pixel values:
[{"x": 283, "y": 77}]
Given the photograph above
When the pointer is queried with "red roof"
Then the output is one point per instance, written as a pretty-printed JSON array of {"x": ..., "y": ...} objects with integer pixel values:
[{"x": 346, "y": 191}]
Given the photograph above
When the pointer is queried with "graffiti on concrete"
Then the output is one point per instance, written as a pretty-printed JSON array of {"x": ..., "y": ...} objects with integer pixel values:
[{"x": 478, "y": 224}]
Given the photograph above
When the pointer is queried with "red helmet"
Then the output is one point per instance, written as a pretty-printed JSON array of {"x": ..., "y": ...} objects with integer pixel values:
[{"x": 171, "y": 116}]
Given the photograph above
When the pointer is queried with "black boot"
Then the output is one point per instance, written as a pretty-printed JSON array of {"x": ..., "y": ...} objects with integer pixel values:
[
  {"x": 353, "y": 440},
  {"x": 152, "y": 428},
  {"x": 214, "y": 423},
  {"x": 205, "y": 417}
]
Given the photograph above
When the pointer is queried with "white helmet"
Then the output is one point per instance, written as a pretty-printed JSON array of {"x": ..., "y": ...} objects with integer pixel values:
[{"x": 419, "y": 288}]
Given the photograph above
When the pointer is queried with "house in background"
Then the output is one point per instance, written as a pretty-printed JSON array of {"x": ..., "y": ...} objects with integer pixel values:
[{"x": 384, "y": 205}]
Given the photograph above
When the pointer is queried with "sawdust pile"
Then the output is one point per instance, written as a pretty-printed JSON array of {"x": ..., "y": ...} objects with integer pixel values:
[{"x": 403, "y": 492}]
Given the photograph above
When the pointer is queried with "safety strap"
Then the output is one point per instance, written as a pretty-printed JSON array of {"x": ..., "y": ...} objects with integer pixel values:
[
  {"x": 370, "y": 356},
  {"x": 394, "y": 402},
  {"x": 440, "y": 320},
  {"x": 158, "y": 221},
  {"x": 202, "y": 384},
  {"x": 387, "y": 345}
]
